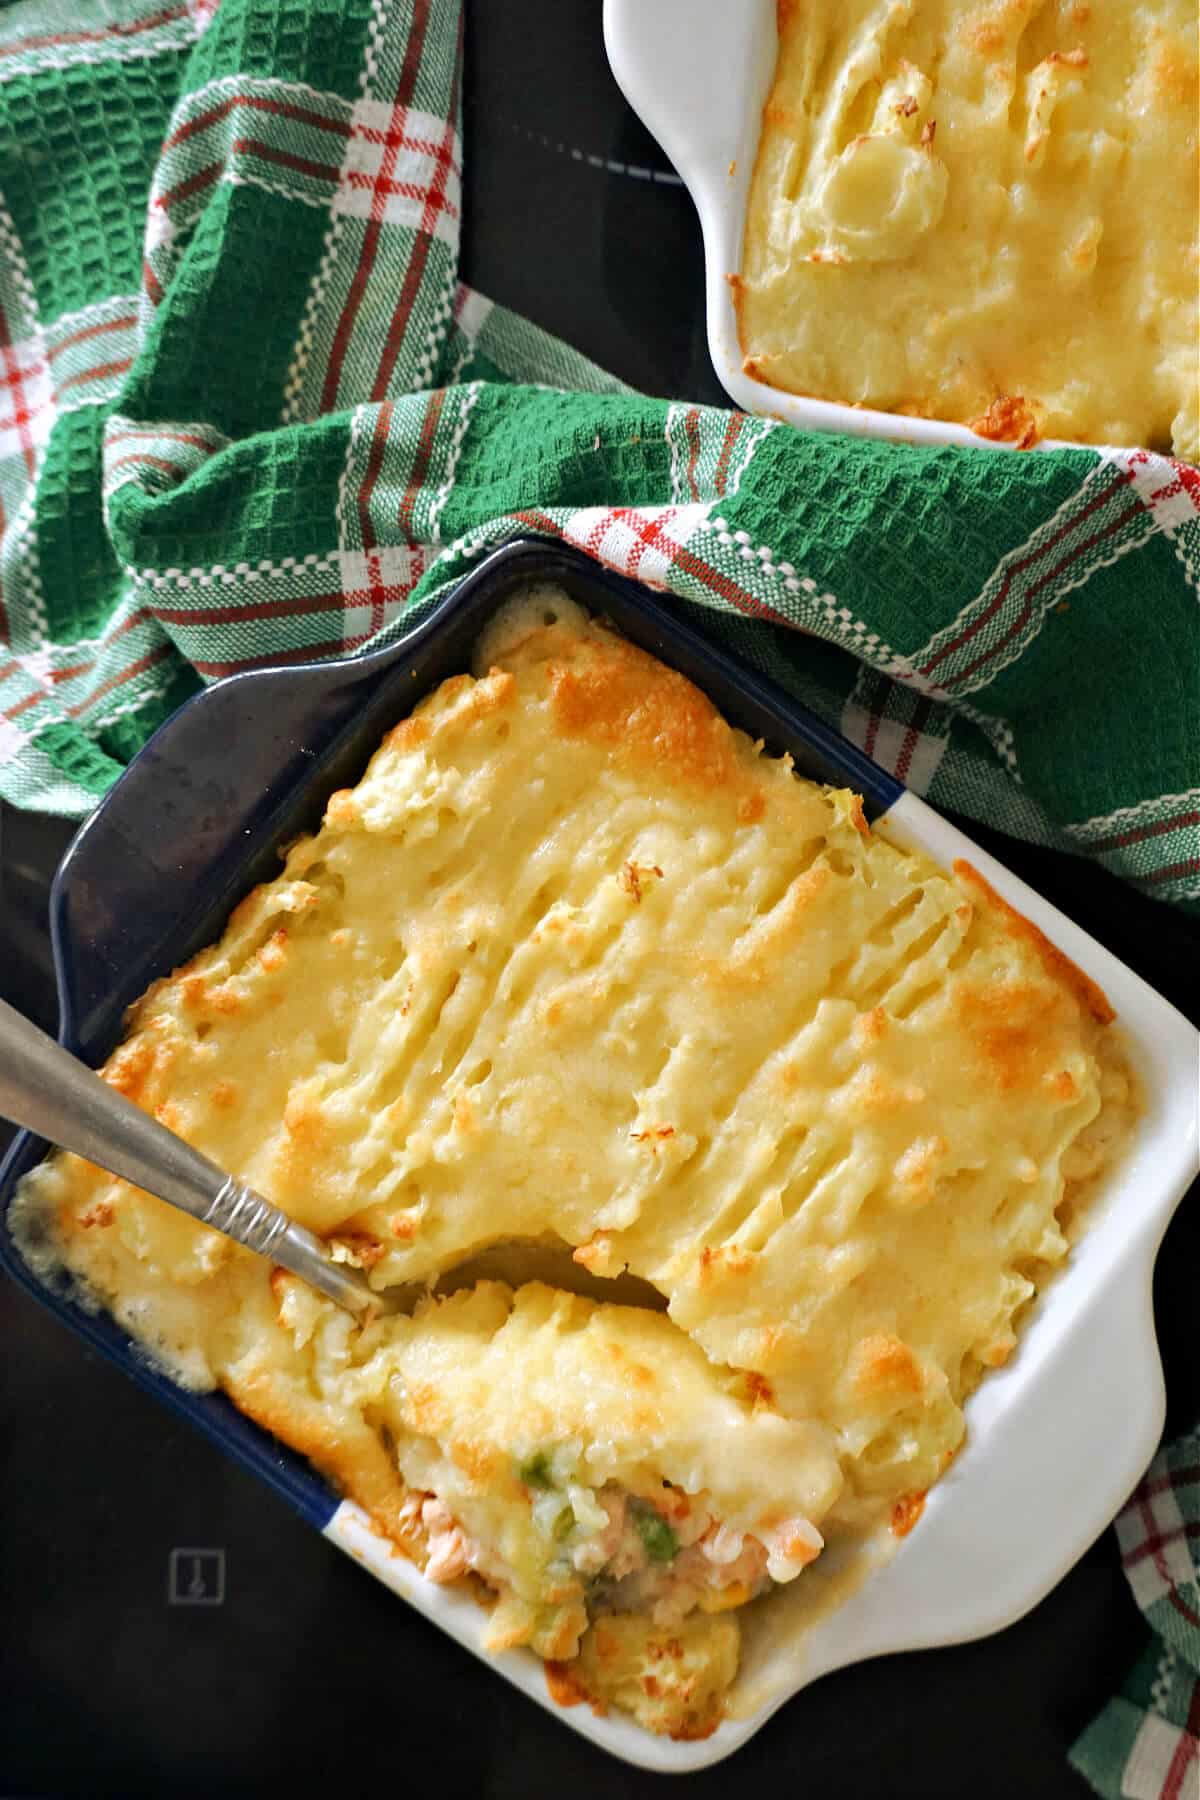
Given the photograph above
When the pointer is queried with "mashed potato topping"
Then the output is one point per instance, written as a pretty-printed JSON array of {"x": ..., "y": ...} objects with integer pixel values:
[
  {"x": 579, "y": 970},
  {"x": 962, "y": 211}
]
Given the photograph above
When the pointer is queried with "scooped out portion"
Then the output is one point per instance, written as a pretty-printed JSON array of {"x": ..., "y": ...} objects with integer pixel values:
[{"x": 588, "y": 1463}]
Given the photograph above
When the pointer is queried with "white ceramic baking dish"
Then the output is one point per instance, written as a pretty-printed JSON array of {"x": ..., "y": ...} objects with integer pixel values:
[
  {"x": 1056, "y": 1439},
  {"x": 697, "y": 73}
]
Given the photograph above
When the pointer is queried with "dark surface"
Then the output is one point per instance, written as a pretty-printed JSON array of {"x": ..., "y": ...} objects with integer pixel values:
[{"x": 309, "y": 1672}]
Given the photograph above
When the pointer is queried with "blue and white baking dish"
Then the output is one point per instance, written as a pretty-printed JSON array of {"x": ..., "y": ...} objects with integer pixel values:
[{"x": 1056, "y": 1439}]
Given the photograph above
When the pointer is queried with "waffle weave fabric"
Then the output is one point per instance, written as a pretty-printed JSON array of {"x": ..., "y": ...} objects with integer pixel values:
[
  {"x": 1146, "y": 1743},
  {"x": 251, "y": 415}
]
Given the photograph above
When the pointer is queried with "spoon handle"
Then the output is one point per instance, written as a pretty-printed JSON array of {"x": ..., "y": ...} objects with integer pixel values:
[{"x": 47, "y": 1090}]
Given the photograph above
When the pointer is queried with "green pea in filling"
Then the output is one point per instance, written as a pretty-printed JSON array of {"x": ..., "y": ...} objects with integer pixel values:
[
  {"x": 535, "y": 1471},
  {"x": 658, "y": 1539}
]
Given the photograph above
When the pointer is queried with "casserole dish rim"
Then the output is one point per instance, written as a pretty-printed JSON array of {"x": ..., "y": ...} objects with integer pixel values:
[{"x": 920, "y": 1598}]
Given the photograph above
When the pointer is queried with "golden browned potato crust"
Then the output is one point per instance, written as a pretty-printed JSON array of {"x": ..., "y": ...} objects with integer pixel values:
[
  {"x": 963, "y": 212},
  {"x": 576, "y": 963}
]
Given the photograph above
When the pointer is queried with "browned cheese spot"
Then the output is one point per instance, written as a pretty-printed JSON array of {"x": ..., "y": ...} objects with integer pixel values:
[
  {"x": 1173, "y": 73},
  {"x": 615, "y": 695},
  {"x": 304, "y": 1121},
  {"x": 652, "y": 1135},
  {"x": 273, "y": 954},
  {"x": 563, "y": 1685},
  {"x": 408, "y": 735},
  {"x": 726, "y": 1260},
  {"x": 760, "y": 1391},
  {"x": 1088, "y": 992},
  {"x": 594, "y": 1255},
  {"x": 1016, "y": 1027},
  {"x": 905, "y": 1513},
  {"x": 364, "y": 1248},
  {"x": 476, "y": 1460},
  {"x": 871, "y": 1027},
  {"x": 1010, "y": 419},
  {"x": 128, "y": 1067},
  {"x": 882, "y": 1364}
]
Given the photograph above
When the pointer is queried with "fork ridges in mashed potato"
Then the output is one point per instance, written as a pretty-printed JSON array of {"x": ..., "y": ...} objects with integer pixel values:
[{"x": 576, "y": 962}]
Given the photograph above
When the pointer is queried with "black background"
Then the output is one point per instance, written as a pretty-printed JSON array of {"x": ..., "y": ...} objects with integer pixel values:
[{"x": 310, "y": 1673}]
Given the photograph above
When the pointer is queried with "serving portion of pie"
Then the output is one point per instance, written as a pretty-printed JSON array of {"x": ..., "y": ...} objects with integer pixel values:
[{"x": 579, "y": 976}]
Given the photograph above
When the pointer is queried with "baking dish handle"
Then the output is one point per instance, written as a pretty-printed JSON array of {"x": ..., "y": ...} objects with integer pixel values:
[
  {"x": 718, "y": 80},
  {"x": 213, "y": 782}
]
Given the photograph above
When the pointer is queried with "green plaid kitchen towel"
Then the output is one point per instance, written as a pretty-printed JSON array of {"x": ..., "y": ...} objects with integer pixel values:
[
  {"x": 1146, "y": 1744},
  {"x": 251, "y": 415}
]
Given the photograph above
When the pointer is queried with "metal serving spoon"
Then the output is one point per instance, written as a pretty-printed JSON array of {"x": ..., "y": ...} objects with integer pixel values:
[{"x": 50, "y": 1092}]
